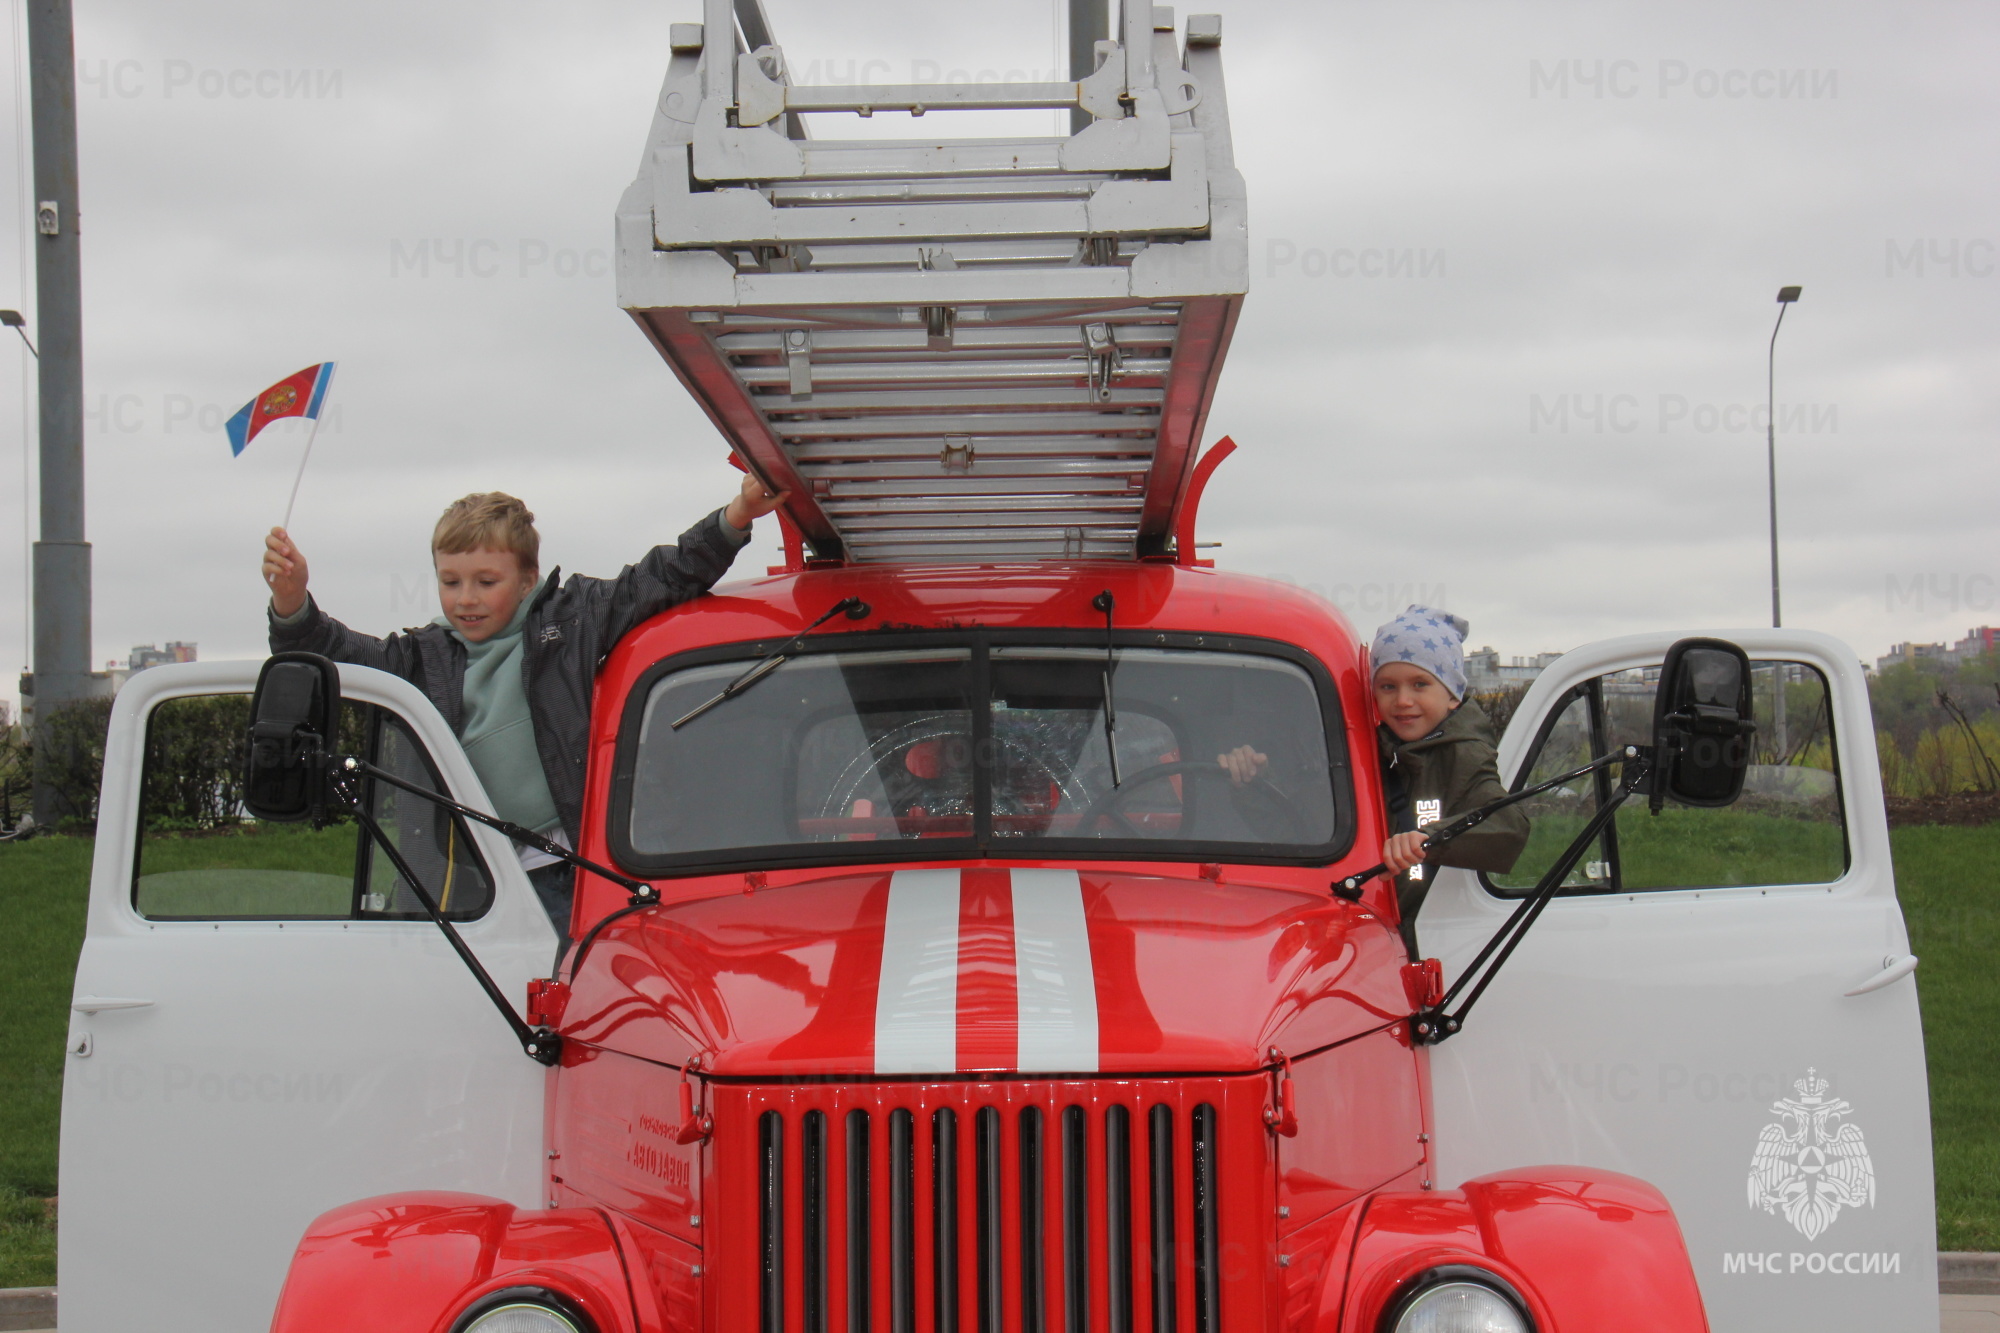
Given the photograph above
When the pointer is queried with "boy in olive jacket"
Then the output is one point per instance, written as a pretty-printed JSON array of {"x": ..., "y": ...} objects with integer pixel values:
[{"x": 1438, "y": 758}]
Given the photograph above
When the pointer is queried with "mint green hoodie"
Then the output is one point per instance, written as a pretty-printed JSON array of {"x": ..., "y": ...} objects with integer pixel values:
[{"x": 499, "y": 734}]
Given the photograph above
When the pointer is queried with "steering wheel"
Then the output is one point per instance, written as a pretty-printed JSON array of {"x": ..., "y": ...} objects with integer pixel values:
[{"x": 1105, "y": 806}]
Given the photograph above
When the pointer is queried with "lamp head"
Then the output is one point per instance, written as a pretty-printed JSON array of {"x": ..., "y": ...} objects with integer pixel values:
[
  {"x": 1787, "y": 295},
  {"x": 12, "y": 319}
]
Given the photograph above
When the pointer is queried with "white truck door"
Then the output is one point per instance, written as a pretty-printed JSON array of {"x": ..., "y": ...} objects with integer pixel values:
[
  {"x": 264, "y": 1026},
  {"x": 1720, "y": 1004}
]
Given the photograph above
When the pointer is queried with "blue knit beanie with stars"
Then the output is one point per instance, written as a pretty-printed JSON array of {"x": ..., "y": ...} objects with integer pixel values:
[{"x": 1424, "y": 637}]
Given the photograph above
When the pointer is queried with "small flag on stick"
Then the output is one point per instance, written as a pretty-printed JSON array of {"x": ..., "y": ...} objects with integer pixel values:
[
  {"x": 300, "y": 395},
  {"x": 297, "y": 395}
]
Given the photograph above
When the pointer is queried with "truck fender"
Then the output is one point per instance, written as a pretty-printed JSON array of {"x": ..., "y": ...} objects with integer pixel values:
[
  {"x": 415, "y": 1262},
  {"x": 1582, "y": 1249}
]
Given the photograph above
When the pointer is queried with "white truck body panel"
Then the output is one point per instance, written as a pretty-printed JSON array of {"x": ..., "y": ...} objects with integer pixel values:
[
  {"x": 1651, "y": 1032},
  {"x": 276, "y": 1069}
]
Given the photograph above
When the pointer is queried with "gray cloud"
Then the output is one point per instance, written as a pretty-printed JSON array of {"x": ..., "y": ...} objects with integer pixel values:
[{"x": 1512, "y": 207}]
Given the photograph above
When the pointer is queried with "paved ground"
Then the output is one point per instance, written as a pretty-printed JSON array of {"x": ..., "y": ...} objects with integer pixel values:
[{"x": 1970, "y": 1314}]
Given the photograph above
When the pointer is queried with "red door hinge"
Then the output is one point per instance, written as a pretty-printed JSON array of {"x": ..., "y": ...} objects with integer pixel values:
[
  {"x": 547, "y": 998},
  {"x": 1423, "y": 983},
  {"x": 1282, "y": 1116},
  {"x": 695, "y": 1126}
]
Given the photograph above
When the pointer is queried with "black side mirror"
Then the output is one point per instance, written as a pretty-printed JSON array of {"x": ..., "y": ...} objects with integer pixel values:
[
  {"x": 294, "y": 715},
  {"x": 1701, "y": 724}
]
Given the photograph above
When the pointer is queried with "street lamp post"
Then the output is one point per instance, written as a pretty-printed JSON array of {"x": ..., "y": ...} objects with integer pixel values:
[
  {"x": 61, "y": 553},
  {"x": 1786, "y": 295}
]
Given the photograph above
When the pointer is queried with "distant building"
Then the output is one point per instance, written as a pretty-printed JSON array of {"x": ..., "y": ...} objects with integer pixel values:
[
  {"x": 146, "y": 655},
  {"x": 1485, "y": 673},
  {"x": 98, "y": 685},
  {"x": 109, "y": 681},
  {"x": 1976, "y": 643},
  {"x": 1910, "y": 652}
]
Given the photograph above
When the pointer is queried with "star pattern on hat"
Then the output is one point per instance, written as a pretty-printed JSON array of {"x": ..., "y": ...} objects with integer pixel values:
[{"x": 1427, "y": 638}]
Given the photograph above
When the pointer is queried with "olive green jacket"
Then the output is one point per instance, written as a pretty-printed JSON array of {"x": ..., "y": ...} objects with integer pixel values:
[{"x": 1446, "y": 774}]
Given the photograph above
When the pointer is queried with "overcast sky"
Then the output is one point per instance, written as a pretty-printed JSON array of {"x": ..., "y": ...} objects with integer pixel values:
[{"x": 1513, "y": 270}]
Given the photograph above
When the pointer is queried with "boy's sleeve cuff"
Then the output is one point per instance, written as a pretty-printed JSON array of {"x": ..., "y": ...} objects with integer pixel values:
[
  {"x": 297, "y": 617},
  {"x": 733, "y": 537}
]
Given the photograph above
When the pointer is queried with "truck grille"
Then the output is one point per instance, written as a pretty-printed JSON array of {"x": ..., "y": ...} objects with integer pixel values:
[{"x": 980, "y": 1208}]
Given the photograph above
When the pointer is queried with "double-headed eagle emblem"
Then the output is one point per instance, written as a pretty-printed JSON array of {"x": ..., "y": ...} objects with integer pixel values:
[{"x": 1810, "y": 1165}]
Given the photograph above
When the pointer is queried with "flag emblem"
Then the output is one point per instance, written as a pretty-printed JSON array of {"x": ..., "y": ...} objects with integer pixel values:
[{"x": 299, "y": 395}]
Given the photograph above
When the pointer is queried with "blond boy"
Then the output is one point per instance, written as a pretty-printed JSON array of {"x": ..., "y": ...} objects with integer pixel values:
[{"x": 509, "y": 664}]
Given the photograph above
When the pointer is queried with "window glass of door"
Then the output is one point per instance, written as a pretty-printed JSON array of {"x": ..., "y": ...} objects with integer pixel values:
[
  {"x": 431, "y": 840},
  {"x": 1567, "y": 742},
  {"x": 201, "y": 857},
  {"x": 1787, "y": 828}
]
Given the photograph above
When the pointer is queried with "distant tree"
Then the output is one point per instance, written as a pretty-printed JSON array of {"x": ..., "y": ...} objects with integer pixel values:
[
  {"x": 69, "y": 756},
  {"x": 17, "y": 779},
  {"x": 1501, "y": 704}
]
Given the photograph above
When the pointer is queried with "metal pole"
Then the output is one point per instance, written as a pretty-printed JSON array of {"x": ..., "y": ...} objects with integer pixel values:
[
  {"x": 1089, "y": 23},
  {"x": 1780, "y": 741},
  {"x": 62, "y": 556},
  {"x": 1771, "y": 453}
]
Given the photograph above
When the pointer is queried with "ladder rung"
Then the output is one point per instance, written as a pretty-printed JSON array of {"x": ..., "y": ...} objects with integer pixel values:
[
  {"x": 819, "y": 404},
  {"x": 861, "y": 505},
  {"x": 1001, "y": 469},
  {"x": 952, "y": 490},
  {"x": 982, "y": 520},
  {"x": 931, "y": 96},
  {"x": 1059, "y": 337},
  {"x": 985, "y": 451},
  {"x": 1141, "y": 369},
  {"x": 976, "y": 426}
]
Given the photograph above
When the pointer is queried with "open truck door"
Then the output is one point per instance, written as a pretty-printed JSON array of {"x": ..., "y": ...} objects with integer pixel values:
[
  {"x": 1720, "y": 1002},
  {"x": 265, "y": 1022}
]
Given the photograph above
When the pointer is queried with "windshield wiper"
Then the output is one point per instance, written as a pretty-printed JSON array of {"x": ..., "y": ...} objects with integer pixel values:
[
  {"x": 855, "y": 608},
  {"x": 1104, "y": 601}
]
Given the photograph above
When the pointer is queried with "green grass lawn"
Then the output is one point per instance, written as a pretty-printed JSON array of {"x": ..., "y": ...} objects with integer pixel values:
[
  {"x": 43, "y": 883},
  {"x": 43, "y": 887},
  {"x": 1950, "y": 895},
  {"x": 1683, "y": 848},
  {"x": 1946, "y": 878}
]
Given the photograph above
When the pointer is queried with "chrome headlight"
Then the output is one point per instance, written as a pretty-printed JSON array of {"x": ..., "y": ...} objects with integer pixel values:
[
  {"x": 1457, "y": 1300},
  {"x": 521, "y": 1318},
  {"x": 522, "y": 1310}
]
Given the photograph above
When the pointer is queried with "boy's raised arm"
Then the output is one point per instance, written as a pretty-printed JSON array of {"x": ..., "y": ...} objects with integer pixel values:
[
  {"x": 670, "y": 575},
  {"x": 298, "y": 625}
]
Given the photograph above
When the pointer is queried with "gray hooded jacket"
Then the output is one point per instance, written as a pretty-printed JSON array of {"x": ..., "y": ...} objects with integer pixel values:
[{"x": 571, "y": 626}]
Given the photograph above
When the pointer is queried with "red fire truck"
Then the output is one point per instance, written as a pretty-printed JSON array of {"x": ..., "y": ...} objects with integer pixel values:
[{"x": 932, "y": 971}]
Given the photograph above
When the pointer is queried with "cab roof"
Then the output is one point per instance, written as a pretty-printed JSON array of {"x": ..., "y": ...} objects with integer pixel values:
[{"x": 1210, "y": 604}]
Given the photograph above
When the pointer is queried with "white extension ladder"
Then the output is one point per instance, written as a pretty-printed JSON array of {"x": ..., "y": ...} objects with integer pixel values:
[{"x": 947, "y": 349}]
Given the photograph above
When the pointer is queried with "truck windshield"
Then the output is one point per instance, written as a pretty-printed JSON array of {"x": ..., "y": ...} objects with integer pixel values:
[{"x": 997, "y": 747}]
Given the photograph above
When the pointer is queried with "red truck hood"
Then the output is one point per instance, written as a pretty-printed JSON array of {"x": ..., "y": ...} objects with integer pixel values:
[{"x": 988, "y": 969}]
